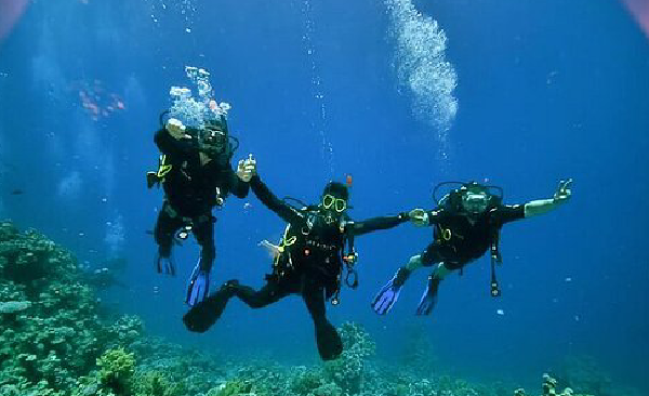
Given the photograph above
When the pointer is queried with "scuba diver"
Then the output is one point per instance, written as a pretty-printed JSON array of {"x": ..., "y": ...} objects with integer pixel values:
[
  {"x": 317, "y": 243},
  {"x": 196, "y": 175},
  {"x": 467, "y": 223}
]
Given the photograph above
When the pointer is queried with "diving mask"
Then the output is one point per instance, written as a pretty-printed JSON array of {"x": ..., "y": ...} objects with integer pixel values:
[
  {"x": 475, "y": 202},
  {"x": 331, "y": 202},
  {"x": 214, "y": 138}
]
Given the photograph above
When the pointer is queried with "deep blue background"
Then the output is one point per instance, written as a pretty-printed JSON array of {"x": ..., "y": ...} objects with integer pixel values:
[{"x": 547, "y": 89}]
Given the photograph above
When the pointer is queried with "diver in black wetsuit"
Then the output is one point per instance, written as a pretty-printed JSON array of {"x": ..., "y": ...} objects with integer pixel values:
[
  {"x": 467, "y": 223},
  {"x": 309, "y": 261},
  {"x": 196, "y": 175}
]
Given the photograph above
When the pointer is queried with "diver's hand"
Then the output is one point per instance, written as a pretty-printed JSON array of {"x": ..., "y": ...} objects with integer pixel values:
[
  {"x": 247, "y": 168},
  {"x": 176, "y": 129},
  {"x": 564, "y": 192},
  {"x": 419, "y": 217}
]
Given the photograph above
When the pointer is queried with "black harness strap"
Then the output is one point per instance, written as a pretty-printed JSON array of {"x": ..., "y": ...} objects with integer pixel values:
[{"x": 496, "y": 258}]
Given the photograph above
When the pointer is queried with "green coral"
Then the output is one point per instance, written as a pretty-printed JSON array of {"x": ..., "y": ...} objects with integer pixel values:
[
  {"x": 347, "y": 372},
  {"x": 156, "y": 383},
  {"x": 305, "y": 381},
  {"x": 51, "y": 332},
  {"x": 116, "y": 370},
  {"x": 232, "y": 388}
]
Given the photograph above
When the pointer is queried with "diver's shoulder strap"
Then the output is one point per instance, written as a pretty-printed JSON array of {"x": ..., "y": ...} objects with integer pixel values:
[{"x": 158, "y": 177}]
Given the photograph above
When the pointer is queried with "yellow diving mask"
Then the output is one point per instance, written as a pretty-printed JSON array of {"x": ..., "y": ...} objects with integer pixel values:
[{"x": 329, "y": 201}]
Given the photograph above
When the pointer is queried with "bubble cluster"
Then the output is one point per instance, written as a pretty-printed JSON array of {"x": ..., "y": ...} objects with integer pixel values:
[
  {"x": 162, "y": 9},
  {"x": 422, "y": 66},
  {"x": 115, "y": 236},
  {"x": 320, "y": 121},
  {"x": 194, "y": 111}
]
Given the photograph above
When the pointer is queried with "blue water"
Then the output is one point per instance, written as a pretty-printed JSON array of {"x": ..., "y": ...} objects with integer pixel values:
[{"x": 545, "y": 90}]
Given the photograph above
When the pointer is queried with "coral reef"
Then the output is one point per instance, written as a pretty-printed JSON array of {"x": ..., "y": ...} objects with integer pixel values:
[
  {"x": 54, "y": 341},
  {"x": 347, "y": 371},
  {"x": 550, "y": 389},
  {"x": 418, "y": 353},
  {"x": 583, "y": 374},
  {"x": 48, "y": 321},
  {"x": 117, "y": 369}
]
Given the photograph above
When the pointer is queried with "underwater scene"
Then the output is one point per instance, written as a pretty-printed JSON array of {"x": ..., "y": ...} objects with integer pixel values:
[{"x": 324, "y": 197}]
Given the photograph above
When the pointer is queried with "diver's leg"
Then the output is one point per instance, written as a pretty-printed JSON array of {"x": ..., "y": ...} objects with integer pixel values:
[
  {"x": 429, "y": 298},
  {"x": 199, "y": 281},
  {"x": 330, "y": 345},
  {"x": 206, "y": 312},
  {"x": 165, "y": 228},
  {"x": 440, "y": 271},
  {"x": 389, "y": 294},
  {"x": 269, "y": 294},
  {"x": 204, "y": 233}
]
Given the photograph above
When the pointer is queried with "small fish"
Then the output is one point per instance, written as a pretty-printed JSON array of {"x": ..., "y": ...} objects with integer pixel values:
[{"x": 17, "y": 191}]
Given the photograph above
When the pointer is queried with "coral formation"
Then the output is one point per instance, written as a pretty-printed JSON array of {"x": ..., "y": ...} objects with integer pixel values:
[
  {"x": 418, "y": 353},
  {"x": 55, "y": 342},
  {"x": 117, "y": 369},
  {"x": 49, "y": 322},
  {"x": 347, "y": 371},
  {"x": 550, "y": 389},
  {"x": 583, "y": 374}
]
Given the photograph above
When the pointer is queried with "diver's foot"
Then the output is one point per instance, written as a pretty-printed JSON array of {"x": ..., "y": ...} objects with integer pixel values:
[
  {"x": 230, "y": 285},
  {"x": 389, "y": 294},
  {"x": 428, "y": 299},
  {"x": 164, "y": 265},
  {"x": 198, "y": 288},
  {"x": 204, "y": 314},
  {"x": 330, "y": 345}
]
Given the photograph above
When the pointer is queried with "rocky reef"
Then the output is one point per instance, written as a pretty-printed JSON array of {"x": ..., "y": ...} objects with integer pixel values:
[
  {"x": 54, "y": 341},
  {"x": 550, "y": 389}
]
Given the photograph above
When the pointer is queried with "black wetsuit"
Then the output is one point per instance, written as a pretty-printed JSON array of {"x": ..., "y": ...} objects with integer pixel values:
[
  {"x": 456, "y": 241},
  {"x": 309, "y": 264},
  {"x": 191, "y": 193}
]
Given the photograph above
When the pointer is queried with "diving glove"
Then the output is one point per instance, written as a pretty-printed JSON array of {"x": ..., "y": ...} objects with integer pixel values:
[
  {"x": 389, "y": 294},
  {"x": 164, "y": 265},
  {"x": 429, "y": 298},
  {"x": 199, "y": 285}
]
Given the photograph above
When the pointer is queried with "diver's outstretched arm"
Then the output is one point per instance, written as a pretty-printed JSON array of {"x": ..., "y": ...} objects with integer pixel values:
[
  {"x": 541, "y": 206},
  {"x": 270, "y": 200},
  {"x": 422, "y": 218},
  {"x": 379, "y": 223},
  {"x": 236, "y": 184}
]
